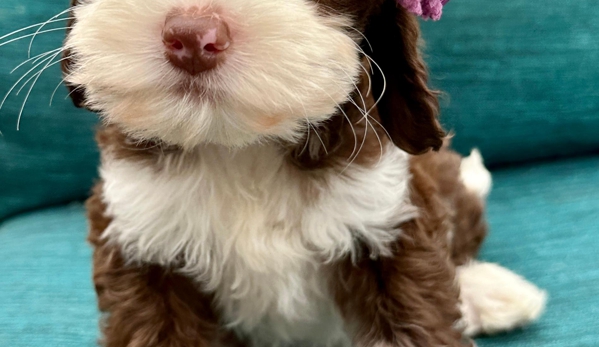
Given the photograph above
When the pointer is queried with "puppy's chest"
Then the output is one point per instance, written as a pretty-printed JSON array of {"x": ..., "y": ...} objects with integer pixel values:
[{"x": 254, "y": 230}]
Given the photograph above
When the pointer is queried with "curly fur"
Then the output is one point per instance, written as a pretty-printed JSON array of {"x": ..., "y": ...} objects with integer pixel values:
[{"x": 275, "y": 200}]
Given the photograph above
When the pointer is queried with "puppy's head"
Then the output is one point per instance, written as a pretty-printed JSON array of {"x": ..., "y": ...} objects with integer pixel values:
[{"x": 234, "y": 72}]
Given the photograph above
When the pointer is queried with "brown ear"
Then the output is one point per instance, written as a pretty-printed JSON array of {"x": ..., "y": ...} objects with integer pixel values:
[
  {"x": 408, "y": 108},
  {"x": 76, "y": 92}
]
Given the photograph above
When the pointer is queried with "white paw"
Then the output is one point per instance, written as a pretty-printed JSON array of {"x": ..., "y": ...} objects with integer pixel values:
[
  {"x": 495, "y": 299},
  {"x": 475, "y": 175}
]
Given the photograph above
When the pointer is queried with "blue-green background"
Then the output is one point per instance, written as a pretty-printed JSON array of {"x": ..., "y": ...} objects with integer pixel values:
[{"x": 521, "y": 79}]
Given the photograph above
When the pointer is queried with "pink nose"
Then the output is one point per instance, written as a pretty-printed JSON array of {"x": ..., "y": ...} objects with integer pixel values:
[{"x": 195, "y": 42}]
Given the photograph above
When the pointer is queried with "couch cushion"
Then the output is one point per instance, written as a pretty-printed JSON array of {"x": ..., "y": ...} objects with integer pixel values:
[
  {"x": 521, "y": 76},
  {"x": 543, "y": 221},
  {"x": 52, "y": 159},
  {"x": 46, "y": 293}
]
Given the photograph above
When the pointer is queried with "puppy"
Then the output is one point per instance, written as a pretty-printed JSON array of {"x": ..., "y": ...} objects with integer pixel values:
[{"x": 267, "y": 179}]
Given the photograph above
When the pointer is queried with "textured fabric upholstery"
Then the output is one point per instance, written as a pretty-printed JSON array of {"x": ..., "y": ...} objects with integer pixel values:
[
  {"x": 544, "y": 225},
  {"x": 521, "y": 78},
  {"x": 520, "y": 75},
  {"x": 52, "y": 159},
  {"x": 544, "y": 221},
  {"x": 46, "y": 294}
]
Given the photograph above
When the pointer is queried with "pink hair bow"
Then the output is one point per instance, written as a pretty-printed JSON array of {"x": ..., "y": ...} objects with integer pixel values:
[{"x": 424, "y": 8}]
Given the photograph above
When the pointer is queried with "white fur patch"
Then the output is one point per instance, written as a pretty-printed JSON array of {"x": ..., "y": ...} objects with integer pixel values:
[
  {"x": 495, "y": 299},
  {"x": 256, "y": 230},
  {"x": 287, "y": 64},
  {"x": 475, "y": 175}
]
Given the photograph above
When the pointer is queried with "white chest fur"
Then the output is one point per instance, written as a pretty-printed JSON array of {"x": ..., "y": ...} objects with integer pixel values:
[{"x": 255, "y": 230}]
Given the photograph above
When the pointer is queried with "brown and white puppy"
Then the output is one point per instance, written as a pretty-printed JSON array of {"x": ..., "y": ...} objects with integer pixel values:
[{"x": 258, "y": 180}]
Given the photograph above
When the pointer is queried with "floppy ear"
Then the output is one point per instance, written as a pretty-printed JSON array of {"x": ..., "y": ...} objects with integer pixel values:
[
  {"x": 76, "y": 92},
  {"x": 408, "y": 108}
]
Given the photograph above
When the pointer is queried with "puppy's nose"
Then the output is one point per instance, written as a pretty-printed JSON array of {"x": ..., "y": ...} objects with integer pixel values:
[{"x": 195, "y": 42}]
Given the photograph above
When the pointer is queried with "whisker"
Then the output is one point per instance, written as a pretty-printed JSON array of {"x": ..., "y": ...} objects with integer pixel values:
[
  {"x": 353, "y": 130},
  {"x": 349, "y": 120},
  {"x": 361, "y": 50},
  {"x": 379, "y": 124},
  {"x": 310, "y": 125},
  {"x": 378, "y": 139},
  {"x": 333, "y": 10},
  {"x": 31, "y": 88},
  {"x": 41, "y": 27},
  {"x": 32, "y": 26},
  {"x": 39, "y": 72},
  {"x": 308, "y": 128},
  {"x": 357, "y": 153},
  {"x": 363, "y": 111},
  {"x": 72, "y": 91},
  {"x": 366, "y": 117},
  {"x": 367, "y": 114},
  {"x": 35, "y": 59},
  {"x": 369, "y": 90},
  {"x": 307, "y": 138},
  {"x": 319, "y": 138},
  {"x": 364, "y": 36},
  {"x": 384, "y": 83},
  {"x": 346, "y": 117},
  {"x": 22, "y": 78},
  {"x": 58, "y": 49},
  {"x": 355, "y": 86},
  {"x": 336, "y": 12},
  {"x": 29, "y": 35},
  {"x": 55, "y": 90}
]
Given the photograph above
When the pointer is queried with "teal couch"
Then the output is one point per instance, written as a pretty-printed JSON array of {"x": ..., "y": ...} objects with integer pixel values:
[{"x": 522, "y": 84}]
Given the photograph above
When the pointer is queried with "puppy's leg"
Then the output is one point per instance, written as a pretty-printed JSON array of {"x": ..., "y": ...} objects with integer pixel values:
[
  {"x": 410, "y": 299},
  {"x": 495, "y": 299},
  {"x": 451, "y": 189},
  {"x": 150, "y": 307},
  {"x": 144, "y": 305}
]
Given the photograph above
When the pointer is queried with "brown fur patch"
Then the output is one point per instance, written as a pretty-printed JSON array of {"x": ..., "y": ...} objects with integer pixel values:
[
  {"x": 77, "y": 93},
  {"x": 465, "y": 209},
  {"x": 408, "y": 107},
  {"x": 411, "y": 298},
  {"x": 347, "y": 137},
  {"x": 147, "y": 305},
  {"x": 113, "y": 141}
]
